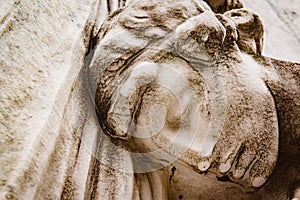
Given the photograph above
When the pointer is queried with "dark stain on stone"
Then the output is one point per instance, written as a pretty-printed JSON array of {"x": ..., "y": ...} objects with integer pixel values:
[{"x": 172, "y": 173}]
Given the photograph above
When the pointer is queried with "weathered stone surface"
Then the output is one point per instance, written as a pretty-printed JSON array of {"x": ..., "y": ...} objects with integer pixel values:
[
  {"x": 42, "y": 47},
  {"x": 51, "y": 146},
  {"x": 136, "y": 74},
  {"x": 221, "y": 6}
]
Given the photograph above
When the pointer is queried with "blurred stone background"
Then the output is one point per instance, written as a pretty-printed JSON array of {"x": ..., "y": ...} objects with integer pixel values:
[{"x": 282, "y": 26}]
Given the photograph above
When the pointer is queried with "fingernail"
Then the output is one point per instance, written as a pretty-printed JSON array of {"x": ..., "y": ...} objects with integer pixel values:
[
  {"x": 258, "y": 182},
  {"x": 203, "y": 166},
  {"x": 224, "y": 167},
  {"x": 239, "y": 173}
]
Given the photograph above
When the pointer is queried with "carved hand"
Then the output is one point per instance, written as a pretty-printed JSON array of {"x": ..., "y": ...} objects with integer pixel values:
[{"x": 231, "y": 112}]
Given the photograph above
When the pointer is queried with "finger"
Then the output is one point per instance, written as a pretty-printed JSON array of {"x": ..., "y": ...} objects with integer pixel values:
[
  {"x": 243, "y": 162},
  {"x": 192, "y": 38},
  {"x": 231, "y": 32},
  {"x": 227, "y": 157},
  {"x": 204, "y": 164},
  {"x": 262, "y": 169},
  {"x": 221, "y": 158},
  {"x": 120, "y": 116}
]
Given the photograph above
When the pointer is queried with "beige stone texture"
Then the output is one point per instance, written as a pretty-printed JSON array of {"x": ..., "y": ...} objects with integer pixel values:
[
  {"x": 42, "y": 45},
  {"x": 51, "y": 144}
]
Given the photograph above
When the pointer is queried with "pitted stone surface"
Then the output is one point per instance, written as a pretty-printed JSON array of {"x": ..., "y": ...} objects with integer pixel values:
[
  {"x": 51, "y": 146},
  {"x": 245, "y": 149}
]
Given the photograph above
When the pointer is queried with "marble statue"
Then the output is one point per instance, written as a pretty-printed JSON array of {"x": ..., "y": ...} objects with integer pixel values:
[{"x": 182, "y": 87}]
